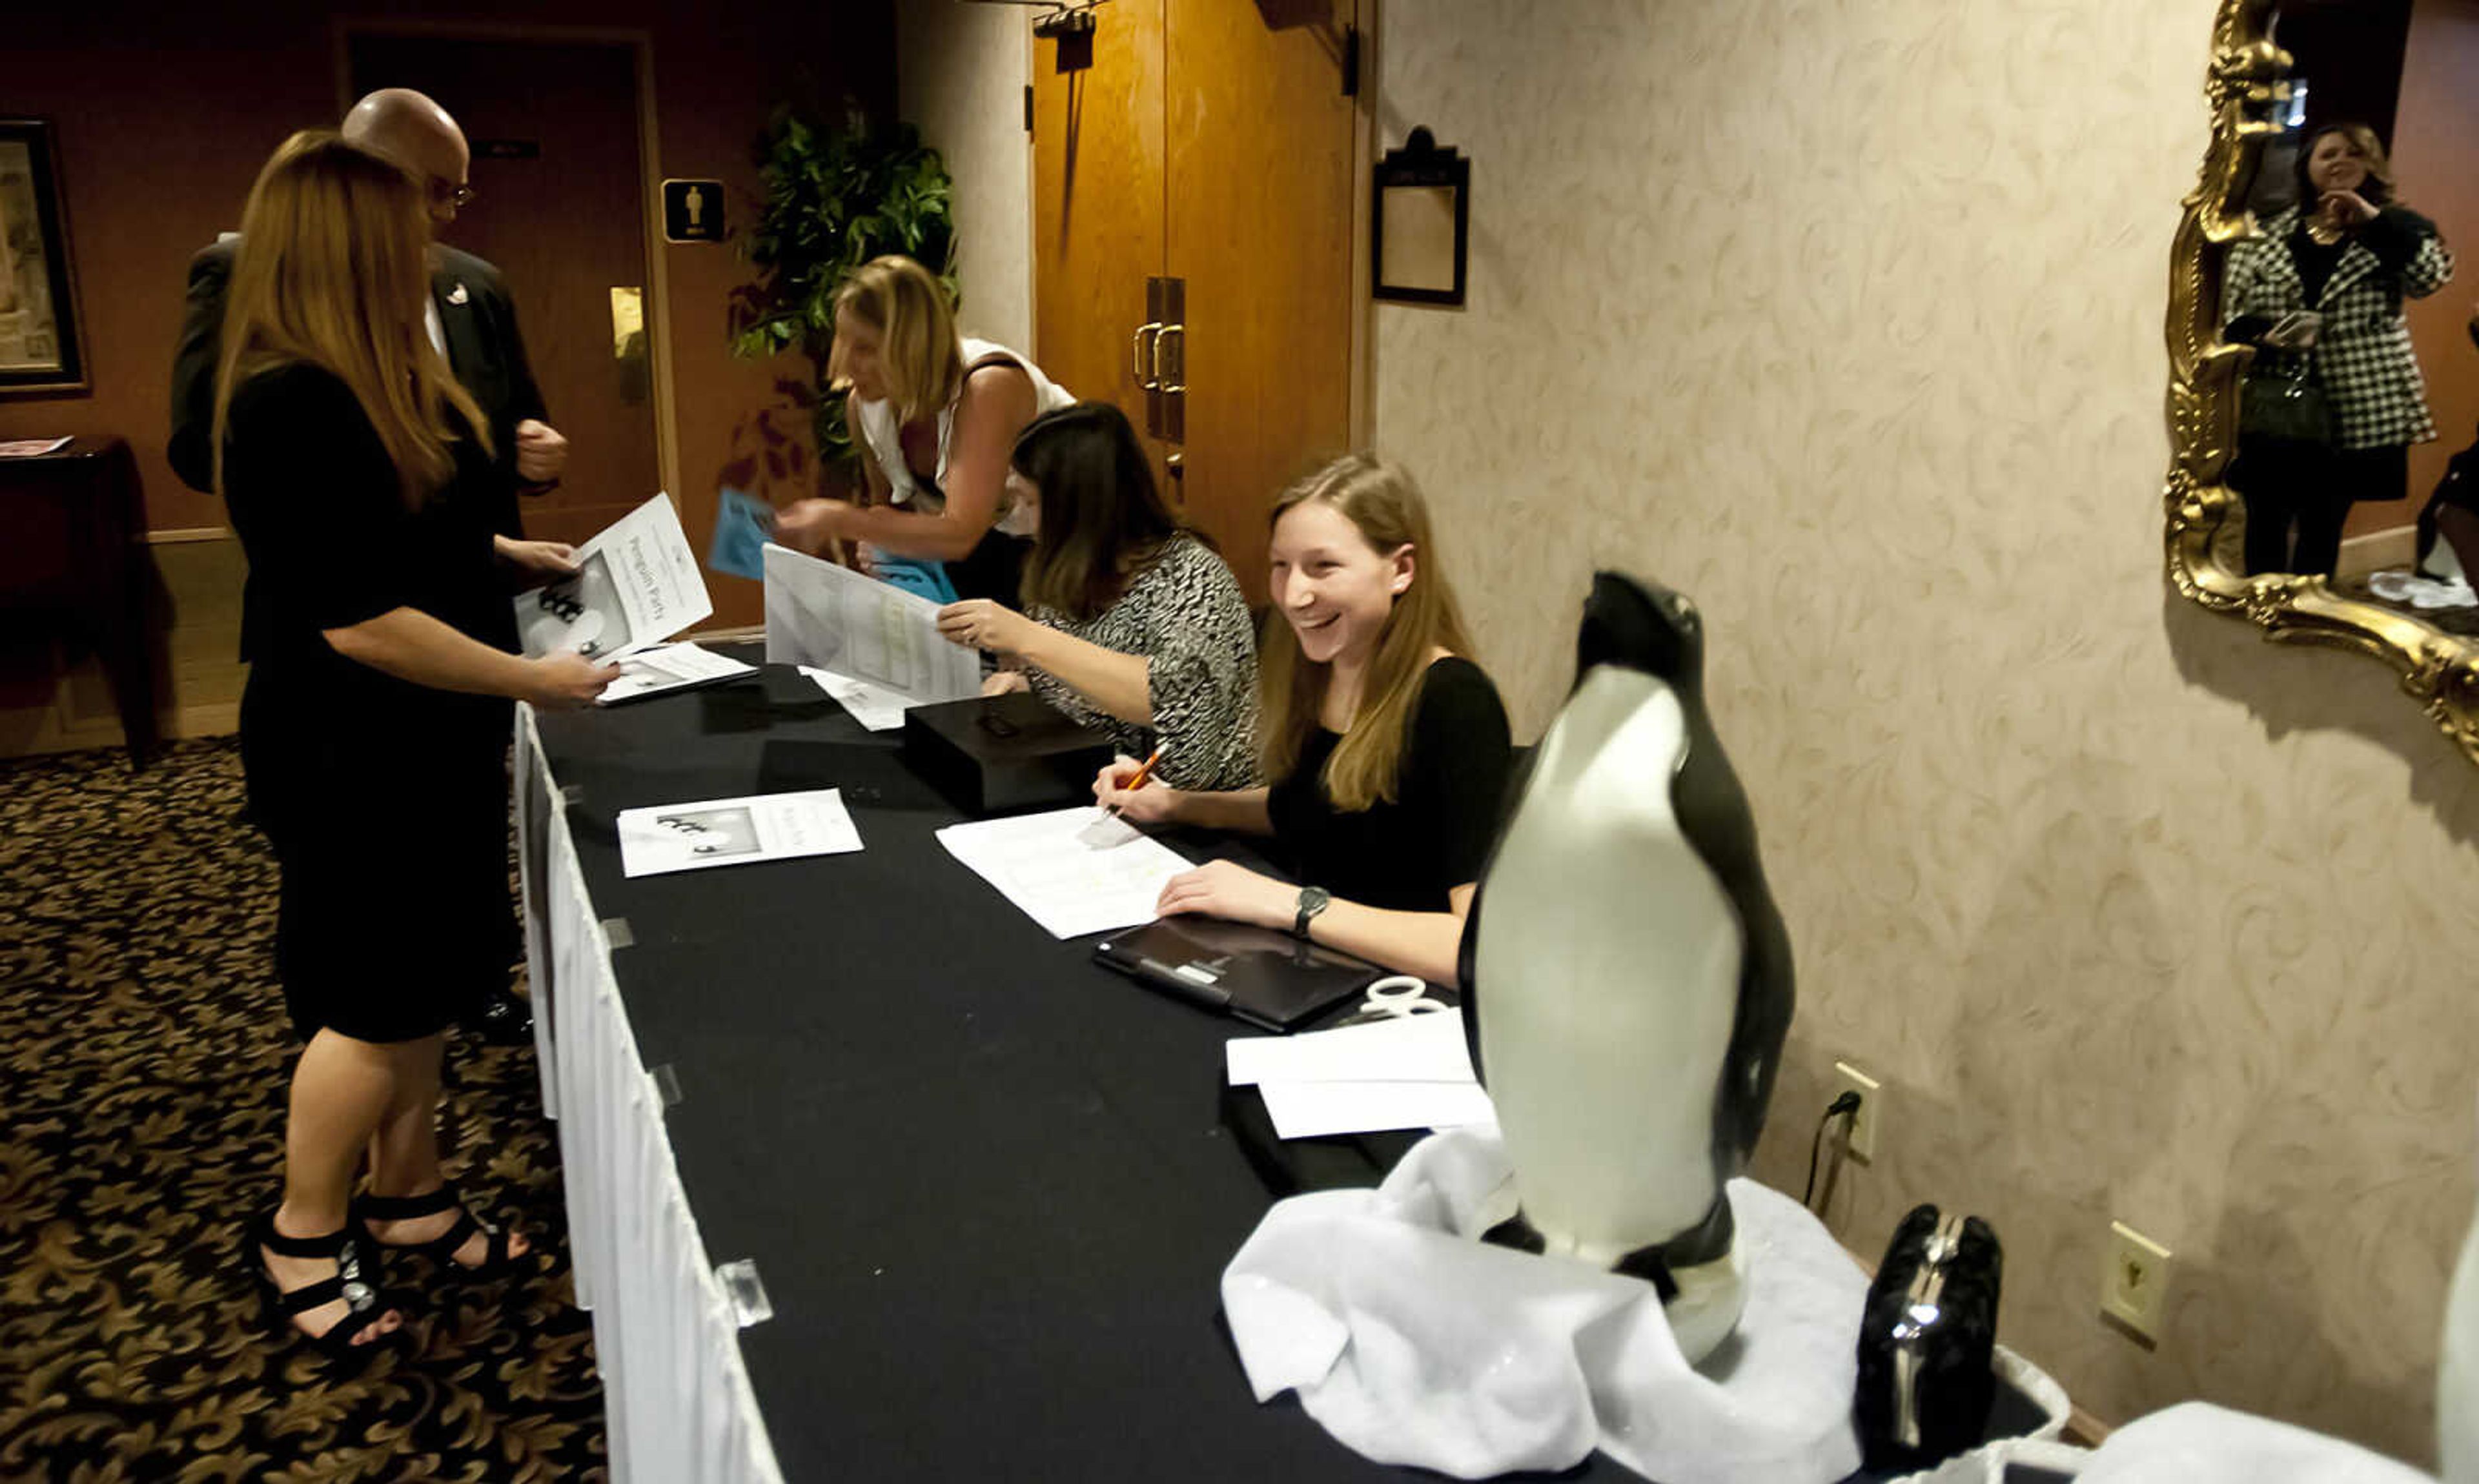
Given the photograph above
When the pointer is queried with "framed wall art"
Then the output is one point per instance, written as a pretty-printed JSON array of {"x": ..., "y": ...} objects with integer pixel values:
[{"x": 41, "y": 351}]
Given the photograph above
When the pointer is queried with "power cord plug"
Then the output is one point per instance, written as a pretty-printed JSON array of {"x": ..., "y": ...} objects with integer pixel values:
[{"x": 1847, "y": 1106}]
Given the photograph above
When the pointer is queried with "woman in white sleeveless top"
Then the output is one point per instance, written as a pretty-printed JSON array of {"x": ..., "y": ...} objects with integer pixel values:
[{"x": 936, "y": 415}]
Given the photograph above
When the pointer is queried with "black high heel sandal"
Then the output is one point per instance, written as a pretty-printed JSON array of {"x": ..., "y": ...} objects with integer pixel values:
[
  {"x": 497, "y": 1260},
  {"x": 363, "y": 1300}
]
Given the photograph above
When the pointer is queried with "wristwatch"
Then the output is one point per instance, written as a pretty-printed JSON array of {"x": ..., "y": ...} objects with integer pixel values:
[{"x": 1313, "y": 901}]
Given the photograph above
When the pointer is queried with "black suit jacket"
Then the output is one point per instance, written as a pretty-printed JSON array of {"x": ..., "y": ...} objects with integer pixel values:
[{"x": 483, "y": 348}]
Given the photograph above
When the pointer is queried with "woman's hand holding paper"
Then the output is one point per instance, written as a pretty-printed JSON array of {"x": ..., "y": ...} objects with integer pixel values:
[
  {"x": 979, "y": 623},
  {"x": 806, "y": 526}
]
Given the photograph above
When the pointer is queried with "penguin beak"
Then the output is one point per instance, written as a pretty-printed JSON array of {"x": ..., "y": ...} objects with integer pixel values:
[{"x": 1626, "y": 625}]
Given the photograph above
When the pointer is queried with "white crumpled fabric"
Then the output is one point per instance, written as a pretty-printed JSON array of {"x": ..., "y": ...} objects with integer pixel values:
[
  {"x": 2197, "y": 1443},
  {"x": 1413, "y": 1343},
  {"x": 2192, "y": 1443}
]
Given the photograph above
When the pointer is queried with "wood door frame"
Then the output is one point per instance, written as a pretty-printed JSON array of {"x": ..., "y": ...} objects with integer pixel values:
[
  {"x": 341, "y": 29},
  {"x": 1362, "y": 376},
  {"x": 1031, "y": 204},
  {"x": 1363, "y": 373}
]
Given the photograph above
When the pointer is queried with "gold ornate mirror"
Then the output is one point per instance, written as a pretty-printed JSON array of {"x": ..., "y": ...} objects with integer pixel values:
[{"x": 2324, "y": 356}]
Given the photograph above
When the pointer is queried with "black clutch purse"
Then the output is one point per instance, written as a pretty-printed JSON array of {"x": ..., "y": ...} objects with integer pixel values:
[
  {"x": 1927, "y": 1343},
  {"x": 2292, "y": 408}
]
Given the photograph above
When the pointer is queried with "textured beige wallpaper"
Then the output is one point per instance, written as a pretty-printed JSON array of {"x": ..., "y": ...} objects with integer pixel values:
[
  {"x": 961, "y": 77},
  {"x": 1845, "y": 316}
]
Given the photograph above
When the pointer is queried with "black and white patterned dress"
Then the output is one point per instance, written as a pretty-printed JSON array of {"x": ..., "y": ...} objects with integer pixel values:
[
  {"x": 1184, "y": 613},
  {"x": 2364, "y": 357}
]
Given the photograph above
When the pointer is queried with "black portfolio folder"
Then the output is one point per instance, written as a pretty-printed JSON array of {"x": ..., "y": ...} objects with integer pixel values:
[{"x": 1259, "y": 975}]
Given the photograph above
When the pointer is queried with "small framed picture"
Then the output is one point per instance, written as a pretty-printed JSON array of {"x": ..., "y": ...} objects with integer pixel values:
[
  {"x": 1421, "y": 224},
  {"x": 40, "y": 352}
]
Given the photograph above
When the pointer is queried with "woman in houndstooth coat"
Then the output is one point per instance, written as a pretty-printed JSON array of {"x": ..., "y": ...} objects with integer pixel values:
[{"x": 2322, "y": 286}]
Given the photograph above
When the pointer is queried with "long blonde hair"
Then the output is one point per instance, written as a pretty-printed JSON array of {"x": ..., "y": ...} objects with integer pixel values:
[
  {"x": 1382, "y": 502},
  {"x": 333, "y": 272},
  {"x": 919, "y": 355}
]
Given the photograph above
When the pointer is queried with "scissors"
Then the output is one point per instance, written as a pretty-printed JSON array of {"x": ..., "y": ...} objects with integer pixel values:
[{"x": 1396, "y": 997}]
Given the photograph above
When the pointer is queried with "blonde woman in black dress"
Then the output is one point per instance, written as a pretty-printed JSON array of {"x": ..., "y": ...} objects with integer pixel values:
[{"x": 378, "y": 627}]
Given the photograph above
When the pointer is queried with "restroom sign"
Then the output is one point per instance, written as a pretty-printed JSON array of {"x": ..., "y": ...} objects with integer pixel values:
[{"x": 693, "y": 210}]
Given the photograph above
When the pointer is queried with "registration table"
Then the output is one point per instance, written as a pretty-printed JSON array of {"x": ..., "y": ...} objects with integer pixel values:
[
  {"x": 983, "y": 1182},
  {"x": 869, "y": 1177}
]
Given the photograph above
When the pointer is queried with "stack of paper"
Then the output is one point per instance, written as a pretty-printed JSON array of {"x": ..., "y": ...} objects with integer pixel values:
[
  {"x": 874, "y": 706},
  {"x": 670, "y": 666},
  {"x": 1066, "y": 873},
  {"x": 873, "y": 646},
  {"x": 1412, "y": 1072}
]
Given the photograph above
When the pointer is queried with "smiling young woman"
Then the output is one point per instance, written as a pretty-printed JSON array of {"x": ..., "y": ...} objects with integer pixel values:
[{"x": 1386, "y": 746}]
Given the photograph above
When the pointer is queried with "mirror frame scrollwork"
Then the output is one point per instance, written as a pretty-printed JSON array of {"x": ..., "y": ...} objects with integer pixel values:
[{"x": 2437, "y": 670}]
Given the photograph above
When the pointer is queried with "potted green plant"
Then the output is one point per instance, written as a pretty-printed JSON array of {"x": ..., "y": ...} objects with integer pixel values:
[{"x": 835, "y": 198}]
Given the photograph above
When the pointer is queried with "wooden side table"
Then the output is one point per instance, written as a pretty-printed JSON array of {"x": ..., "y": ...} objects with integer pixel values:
[{"x": 73, "y": 518}]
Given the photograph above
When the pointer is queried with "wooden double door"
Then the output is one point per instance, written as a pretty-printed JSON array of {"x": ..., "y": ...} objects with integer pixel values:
[{"x": 1193, "y": 191}]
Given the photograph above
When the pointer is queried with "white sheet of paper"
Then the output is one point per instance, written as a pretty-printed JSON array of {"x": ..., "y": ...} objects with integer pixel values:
[
  {"x": 1412, "y": 1048},
  {"x": 666, "y": 667},
  {"x": 874, "y": 706},
  {"x": 734, "y": 832},
  {"x": 1305, "y": 1110},
  {"x": 825, "y": 617},
  {"x": 1069, "y": 885},
  {"x": 637, "y": 584}
]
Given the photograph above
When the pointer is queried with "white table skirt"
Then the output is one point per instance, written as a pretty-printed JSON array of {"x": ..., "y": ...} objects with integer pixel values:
[{"x": 677, "y": 1404}]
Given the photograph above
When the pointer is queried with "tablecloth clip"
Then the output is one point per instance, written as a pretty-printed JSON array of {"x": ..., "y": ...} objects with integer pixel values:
[
  {"x": 747, "y": 1294},
  {"x": 615, "y": 932},
  {"x": 573, "y": 793},
  {"x": 667, "y": 1084}
]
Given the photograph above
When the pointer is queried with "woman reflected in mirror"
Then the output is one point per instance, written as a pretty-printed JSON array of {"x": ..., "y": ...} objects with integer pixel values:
[{"x": 2334, "y": 398}]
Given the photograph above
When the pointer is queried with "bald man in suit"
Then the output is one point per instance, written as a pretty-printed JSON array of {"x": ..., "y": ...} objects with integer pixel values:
[{"x": 472, "y": 320}]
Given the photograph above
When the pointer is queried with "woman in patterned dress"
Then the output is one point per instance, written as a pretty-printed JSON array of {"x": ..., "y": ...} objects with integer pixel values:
[{"x": 1131, "y": 621}]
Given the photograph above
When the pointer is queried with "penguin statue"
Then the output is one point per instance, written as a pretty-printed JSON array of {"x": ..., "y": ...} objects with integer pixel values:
[
  {"x": 1627, "y": 981},
  {"x": 2457, "y": 1372}
]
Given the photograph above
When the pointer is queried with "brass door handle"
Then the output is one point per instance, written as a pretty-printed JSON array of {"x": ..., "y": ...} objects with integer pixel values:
[
  {"x": 629, "y": 342},
  {"x": 1167, "y": 387},
  {"x": 1141, "y": 355}
]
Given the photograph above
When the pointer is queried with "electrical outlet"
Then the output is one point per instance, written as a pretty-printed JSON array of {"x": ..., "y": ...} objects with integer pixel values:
[
  {"x": 1861, "y": 1137},
  {"x": 2136, "y": 1282}
]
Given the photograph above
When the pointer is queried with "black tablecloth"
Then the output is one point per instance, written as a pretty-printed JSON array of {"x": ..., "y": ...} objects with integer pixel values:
[{"x": 985, "y": 1181}]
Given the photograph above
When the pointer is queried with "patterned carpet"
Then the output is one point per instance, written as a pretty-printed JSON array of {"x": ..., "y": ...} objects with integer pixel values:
[{"x": 145, "y": 1052}]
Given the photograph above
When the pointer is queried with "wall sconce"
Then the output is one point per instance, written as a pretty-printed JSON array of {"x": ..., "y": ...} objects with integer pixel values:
[
  {"x": 1420, "y": 223},
  {"x": 1067, "y": 22}
]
